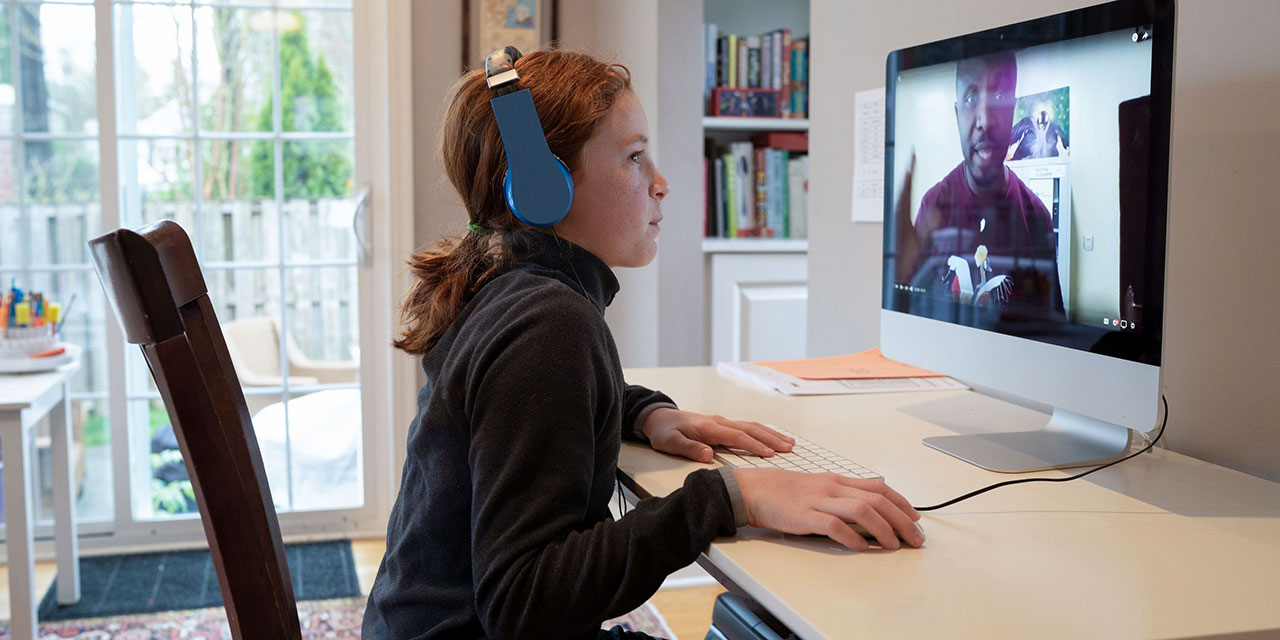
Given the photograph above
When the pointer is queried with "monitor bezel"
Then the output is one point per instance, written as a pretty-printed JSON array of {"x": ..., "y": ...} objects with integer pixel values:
[{"x": 1141, "y": 346}]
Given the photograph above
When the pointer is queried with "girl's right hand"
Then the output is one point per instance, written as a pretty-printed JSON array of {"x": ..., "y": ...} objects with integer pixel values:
[{"x": 824, "y": 503}]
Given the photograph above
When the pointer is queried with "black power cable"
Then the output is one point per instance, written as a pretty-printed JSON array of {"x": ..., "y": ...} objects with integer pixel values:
[{"x": 1007, "y": 483}]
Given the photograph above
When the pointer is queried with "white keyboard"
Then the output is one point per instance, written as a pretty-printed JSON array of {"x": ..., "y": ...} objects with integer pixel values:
[{"x": 805, "y": 456}]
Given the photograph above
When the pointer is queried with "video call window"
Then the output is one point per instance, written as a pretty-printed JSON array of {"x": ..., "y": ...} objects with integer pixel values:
[{"x": 1007, "y": 183}]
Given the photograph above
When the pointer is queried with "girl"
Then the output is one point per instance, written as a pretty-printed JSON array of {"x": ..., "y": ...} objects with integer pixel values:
[{"x": 502, "y": 527}]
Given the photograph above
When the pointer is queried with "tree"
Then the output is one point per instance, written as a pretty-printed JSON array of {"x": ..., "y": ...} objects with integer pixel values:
[
  {"x": 309, "y": 102},
  {"x": 222, "y": 179}
]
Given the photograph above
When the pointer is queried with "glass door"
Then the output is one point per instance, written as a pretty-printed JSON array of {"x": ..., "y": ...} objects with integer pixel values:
[{"x": 236, "y": 121}]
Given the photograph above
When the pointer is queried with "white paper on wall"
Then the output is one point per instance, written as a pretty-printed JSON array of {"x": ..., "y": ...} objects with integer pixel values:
[{"x": 868, "y": 155}]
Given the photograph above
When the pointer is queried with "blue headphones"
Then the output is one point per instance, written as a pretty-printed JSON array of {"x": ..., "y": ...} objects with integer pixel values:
[{"x": 537, "y": 187}]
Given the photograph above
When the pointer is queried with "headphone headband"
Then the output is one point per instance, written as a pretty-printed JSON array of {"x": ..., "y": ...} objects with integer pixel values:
[{"x": 537, "y": 187}]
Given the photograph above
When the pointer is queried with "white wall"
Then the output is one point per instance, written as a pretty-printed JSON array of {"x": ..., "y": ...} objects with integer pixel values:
[
  {"x": 624, "y": 32},
  {"x": 657, "y": 317},
  {"x": 1222, "y": 345}
]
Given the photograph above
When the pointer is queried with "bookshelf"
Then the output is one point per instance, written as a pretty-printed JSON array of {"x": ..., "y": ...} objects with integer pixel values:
[{"x": 757, "y": 287}]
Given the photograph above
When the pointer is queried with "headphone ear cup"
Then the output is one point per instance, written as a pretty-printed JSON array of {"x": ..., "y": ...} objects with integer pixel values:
[{"x": 510, "y": 197}]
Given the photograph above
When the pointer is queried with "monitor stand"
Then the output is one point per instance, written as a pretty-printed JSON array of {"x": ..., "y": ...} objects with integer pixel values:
[{"x": 1069, "y": 440}]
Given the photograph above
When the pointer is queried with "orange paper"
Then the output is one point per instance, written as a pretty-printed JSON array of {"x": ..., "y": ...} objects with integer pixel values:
[{"x": 869, "y": 364}]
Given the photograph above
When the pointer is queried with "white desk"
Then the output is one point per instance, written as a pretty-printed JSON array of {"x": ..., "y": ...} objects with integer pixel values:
[
  {"x": 25, "y": 399},
  {"x": 1161, "y": 546}
]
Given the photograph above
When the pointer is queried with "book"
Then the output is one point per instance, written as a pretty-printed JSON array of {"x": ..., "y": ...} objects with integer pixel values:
[
  {"x": 766, "y": 62},
  {"x": 744, "y": 167},
  {"x": 762, "y": 193},
  {"x": 742, "y": 63},
  {"x": 753, "y": 62},
  {"x": 785, "y": 85},
  {"x": 799, "y": 78},
  {"x": 780, "y": 192},
  {"x": 716, "y": 226},
  {"x": 797, "y": 208},
  {"x": 775, "y": 60},
  {"x": 731, "y": 201},
  {"x": 709, "y": 48},
  {"x": 731, "y": 71}
]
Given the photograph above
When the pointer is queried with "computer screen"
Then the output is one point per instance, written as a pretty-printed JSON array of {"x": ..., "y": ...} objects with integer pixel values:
[{"x": 1025, "y": 206}]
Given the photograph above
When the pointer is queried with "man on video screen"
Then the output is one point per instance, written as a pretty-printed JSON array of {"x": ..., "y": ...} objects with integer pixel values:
[{"x": 982, "y": 236}]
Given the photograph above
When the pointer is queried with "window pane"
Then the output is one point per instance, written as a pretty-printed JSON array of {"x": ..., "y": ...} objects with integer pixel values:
[
  {"x": 238, "y": 187},
  {"x": 13, "y": 254},
  {"x": 161, "y": 486},
  {"x": 156, "y": 183},
  {"x": 320, "y": 229},
  {"x": 323, "y": 318},
  {"x": 59, "y": 171},
  {"x": 316, "y": 173},
  {"x": 317, "y": 459},
  {"x": 8, "y": 92},
  {"x": 315, "y": 67},
  {"x": 153, "y": 72},
  {"x": 247, "y": 302},
  {"x": 59, "y": 232},
  {"x": 91, "y": 426},
  {"x": 235, "y": 76},
  {"x": 58, "y": 64},
  {"x": 90, "y": 464}
]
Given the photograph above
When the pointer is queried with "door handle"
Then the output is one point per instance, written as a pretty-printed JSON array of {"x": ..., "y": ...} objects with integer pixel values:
[{"x": 360, "y": 226}]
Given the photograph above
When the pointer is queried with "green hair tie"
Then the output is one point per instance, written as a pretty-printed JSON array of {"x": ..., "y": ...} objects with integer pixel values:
[{"x": 477, "y": 229}]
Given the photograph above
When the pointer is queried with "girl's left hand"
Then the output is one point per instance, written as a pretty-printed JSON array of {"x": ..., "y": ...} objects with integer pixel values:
[{"x": 689, "y": 434}]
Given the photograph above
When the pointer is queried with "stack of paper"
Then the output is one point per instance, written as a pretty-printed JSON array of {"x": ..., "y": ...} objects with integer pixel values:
[{"x": 865, "y": 372}]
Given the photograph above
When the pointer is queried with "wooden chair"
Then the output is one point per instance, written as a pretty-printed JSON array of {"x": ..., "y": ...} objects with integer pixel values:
[{"x": 153, "y": 282}]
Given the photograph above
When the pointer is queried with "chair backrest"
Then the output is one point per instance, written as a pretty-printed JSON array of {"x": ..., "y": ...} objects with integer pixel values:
[{"x": 153, "y": 282}]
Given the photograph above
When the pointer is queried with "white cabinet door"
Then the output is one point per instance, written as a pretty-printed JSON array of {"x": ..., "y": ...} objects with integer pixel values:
[{"x": 759, "y": 304}]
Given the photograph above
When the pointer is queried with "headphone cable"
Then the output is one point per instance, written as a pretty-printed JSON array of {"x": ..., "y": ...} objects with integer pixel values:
[
  {"x": 569, "y": 259},
  {"x": 1007, "y": 483}
]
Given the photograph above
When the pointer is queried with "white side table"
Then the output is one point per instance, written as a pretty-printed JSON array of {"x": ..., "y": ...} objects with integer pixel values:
[{"x": 25, "y": 399}]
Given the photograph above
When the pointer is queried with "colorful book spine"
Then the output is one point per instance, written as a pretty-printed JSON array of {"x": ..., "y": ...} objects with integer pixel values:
[
  {"x": 762, "y": 192},
  {"x": 753, "y": 61},
  {"x": 799, "y": 78},
  {"x": 731, "y": 73},
  {"x": 709, "y": 46}
]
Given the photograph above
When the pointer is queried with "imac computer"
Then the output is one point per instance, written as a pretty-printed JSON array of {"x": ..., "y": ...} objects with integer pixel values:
[{"x": 1026, "y": 189}]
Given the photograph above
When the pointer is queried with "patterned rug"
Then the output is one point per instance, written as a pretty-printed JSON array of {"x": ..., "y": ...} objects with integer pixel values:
[{"x": 320, "y": 619}]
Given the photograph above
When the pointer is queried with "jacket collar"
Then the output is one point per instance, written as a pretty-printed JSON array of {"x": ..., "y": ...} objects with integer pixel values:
[{"x": 571, "y": 264}]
